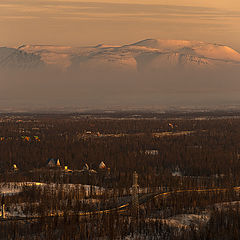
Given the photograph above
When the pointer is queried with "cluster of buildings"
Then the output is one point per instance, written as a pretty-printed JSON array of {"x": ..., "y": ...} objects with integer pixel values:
[
  {"x": 24, "y": 138},
  {"x": 54, "y": 163}
]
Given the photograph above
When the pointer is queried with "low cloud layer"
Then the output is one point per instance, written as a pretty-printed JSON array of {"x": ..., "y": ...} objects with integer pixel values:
[{"x": 80, "y": 90}]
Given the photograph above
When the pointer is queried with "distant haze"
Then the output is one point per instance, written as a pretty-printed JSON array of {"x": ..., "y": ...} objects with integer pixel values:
[{"x": 151, "y": 73}]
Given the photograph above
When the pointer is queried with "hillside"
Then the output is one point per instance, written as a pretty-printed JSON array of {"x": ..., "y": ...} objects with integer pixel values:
[
  {"x": 11, "y": 58},
  {"x": 150, "y": 73},
  {"x": 149, "y": 54}
]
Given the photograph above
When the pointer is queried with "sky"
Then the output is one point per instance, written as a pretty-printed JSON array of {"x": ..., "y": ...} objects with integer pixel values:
[{"x": 81, "y": 22}]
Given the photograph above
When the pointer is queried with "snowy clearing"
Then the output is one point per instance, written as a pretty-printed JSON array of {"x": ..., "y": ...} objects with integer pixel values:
[{"x": 12, "y": 188}]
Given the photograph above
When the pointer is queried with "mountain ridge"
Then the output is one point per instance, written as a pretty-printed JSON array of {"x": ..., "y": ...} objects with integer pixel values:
[{"x": 144, "y": 55}]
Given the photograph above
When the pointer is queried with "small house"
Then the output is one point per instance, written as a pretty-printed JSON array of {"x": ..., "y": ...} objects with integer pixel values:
[
  {"x": 67, "y": 170},
  {"x": 85, "y": 167},
  {"x": 15, "y": 168},
  {"x": 102, "y": 166},
  {"x": 152, "y": 152},
  {"x": 52, "y": 162}
]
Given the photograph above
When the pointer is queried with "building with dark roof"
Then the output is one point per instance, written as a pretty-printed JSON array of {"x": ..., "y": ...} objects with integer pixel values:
[{"x": 53, "y": 162}]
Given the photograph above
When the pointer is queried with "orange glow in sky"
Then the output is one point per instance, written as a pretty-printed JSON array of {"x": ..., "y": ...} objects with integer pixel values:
[{"x": 81, "y": 22}]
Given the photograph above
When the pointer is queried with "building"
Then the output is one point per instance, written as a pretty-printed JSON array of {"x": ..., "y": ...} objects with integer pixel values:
[
  {"x": 67, "y": 170},
  {"x": 152, "y": 152},
  {"x": 102, "y": 166},
  {"x": 52, "y": 162},
  {"x": 15, "y": 168},
  {"x": 85, "y": 167}
]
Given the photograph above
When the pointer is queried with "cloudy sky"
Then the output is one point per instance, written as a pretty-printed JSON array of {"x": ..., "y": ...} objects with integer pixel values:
[{"x": 81, "y": 22}]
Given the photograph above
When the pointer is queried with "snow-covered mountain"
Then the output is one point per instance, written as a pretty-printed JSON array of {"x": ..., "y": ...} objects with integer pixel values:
[
  {"x": 11, "y": 58},
  {"x": 146, "y": 55},
  {"x": 147, "y": 73}
]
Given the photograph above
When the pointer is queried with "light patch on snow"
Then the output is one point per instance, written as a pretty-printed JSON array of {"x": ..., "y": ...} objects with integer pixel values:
[
  {"x": 12, "y": 188},
  {"x": 198, "y": 48},
  {"x": 61, "y": 60},
  {"x": 165, "y": 44},
  {"x": 185, "y": 221},
  {"x": 227, "y": 205},
  {"x": 180, "y": 133},
  {"x": 177, "y": 174}
]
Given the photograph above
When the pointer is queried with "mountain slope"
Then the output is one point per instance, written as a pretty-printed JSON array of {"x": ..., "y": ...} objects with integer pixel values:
[
  {"x": 148, "y": 73},
  {"x": 146, "y": 55},
  {"x": 11, "y": 58}
]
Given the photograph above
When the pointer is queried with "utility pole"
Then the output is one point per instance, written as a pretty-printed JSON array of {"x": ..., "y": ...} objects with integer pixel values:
[{"x": 135, "y": 188}]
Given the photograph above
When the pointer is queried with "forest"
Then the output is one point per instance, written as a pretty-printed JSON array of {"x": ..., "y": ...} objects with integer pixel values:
[{"x": 193, "y": 157}]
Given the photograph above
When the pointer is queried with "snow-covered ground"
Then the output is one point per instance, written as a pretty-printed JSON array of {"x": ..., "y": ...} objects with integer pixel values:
[
  {"x": 185, "y": 221},
  {"x": 12, "y": 188},
  {"x": 119, "y": 135},
  {"x": 147, "y": 54},
  {"x": 19, "y": 209},
  {"x": 227, "y": 205}
]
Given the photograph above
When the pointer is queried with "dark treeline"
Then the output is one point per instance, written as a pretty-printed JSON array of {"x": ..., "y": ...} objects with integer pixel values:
[
  {"x": 205, "y": 154},
  {"x": 211, "y": 148},
  {"x": 222, "y": 224}
]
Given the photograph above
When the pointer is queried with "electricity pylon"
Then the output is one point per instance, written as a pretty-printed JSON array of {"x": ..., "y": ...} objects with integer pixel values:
[{"x": 135, "y": 188}]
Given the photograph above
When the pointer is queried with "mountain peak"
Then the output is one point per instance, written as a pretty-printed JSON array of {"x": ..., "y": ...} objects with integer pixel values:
[
  {"x": 160, "y": 43},
  {"x": 146, "y": 54},
  {"x": 196, "y": 48}
]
